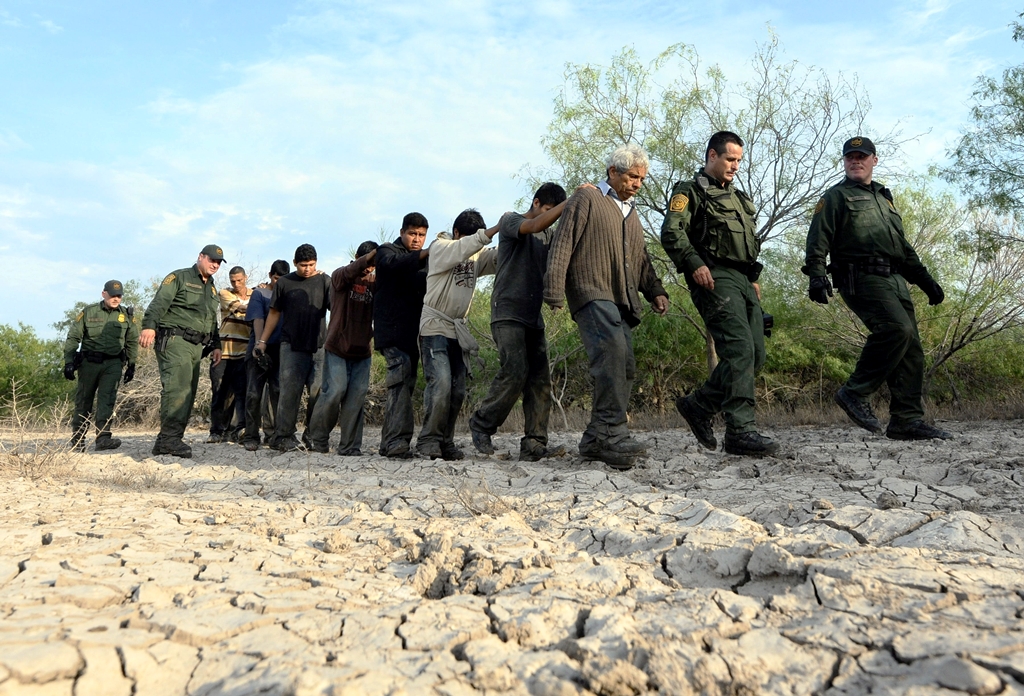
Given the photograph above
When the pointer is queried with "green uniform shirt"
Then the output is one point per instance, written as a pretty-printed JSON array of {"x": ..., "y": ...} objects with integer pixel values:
[
  {"x": 855, "y": 222},
  {"x": 100, "y": 329},
  {"x": 731, "y": 225},
  {"x": 185, "y": 301}
]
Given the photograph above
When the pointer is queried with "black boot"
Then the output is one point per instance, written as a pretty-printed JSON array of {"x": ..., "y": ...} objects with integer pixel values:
[{"x": 105, "y": 442}]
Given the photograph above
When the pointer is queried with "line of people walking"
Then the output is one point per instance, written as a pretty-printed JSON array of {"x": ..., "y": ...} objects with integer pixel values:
[{"x": 410, "y": 302}]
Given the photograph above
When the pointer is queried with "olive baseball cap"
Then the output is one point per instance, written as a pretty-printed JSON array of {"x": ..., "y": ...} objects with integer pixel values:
[
  {"x": 113, "y": 288},
  {"x": 859, "y": 144},
  {"x": 213, "y": 251}
]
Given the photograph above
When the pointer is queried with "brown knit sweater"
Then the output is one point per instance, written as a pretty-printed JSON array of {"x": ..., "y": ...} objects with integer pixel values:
[{"x": 586, "y": 260}]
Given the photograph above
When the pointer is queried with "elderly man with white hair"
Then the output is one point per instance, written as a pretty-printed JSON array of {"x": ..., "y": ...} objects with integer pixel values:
[{"x": 599, "y": 263}]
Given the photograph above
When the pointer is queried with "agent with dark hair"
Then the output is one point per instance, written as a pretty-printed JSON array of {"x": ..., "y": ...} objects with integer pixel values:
[
  {"x": 518, "y": 328},
  {"x": 397, "y": 303},
  {"x": 856, "y": 223},
  {"x": 299, "y": 302},
  {"x": 109, "y": 336},
  {"x": 181, "y": 322},
  {"x": 263, "y": 374},
  {"x": 347, "y": 355},
  {"x": 454, "y": 267},
  {"x": 710, "y": 233},
  {"x": 227, "y": 378}
]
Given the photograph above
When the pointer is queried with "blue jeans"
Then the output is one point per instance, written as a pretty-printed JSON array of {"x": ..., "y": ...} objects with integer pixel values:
[
  {"x": 608, "y": 340},
  {"x": 298, "y": 371},
  {"x": 445, "y": 370},
  {"x": 342, "y": 394}
]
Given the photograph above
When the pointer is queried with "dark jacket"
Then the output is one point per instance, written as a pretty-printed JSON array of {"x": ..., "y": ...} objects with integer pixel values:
[{"x": 398, "y": 300}]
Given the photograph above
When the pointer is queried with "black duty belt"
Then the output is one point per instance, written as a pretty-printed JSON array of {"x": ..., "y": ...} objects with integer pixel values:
[
  {"x": 191, "y": 335},
  {"x": 874, "y": 265},
  {"x": 94, "y": 356},
  {"x": 752, "y": 269}
]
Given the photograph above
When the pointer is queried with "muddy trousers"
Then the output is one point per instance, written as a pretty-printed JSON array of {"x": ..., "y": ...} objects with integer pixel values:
[
  {"x": 892, "y": 354},
  {"x": 523, "y": 372}
]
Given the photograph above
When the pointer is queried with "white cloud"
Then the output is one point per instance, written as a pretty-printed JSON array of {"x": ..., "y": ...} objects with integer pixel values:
[{"x": 50, "y": 26}]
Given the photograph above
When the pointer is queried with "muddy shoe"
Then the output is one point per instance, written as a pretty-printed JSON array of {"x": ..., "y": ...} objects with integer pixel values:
[
  {"x": 451, "y": 453},
  {"x": 627, "y": 445},
  {"x": 698, "y": 420},
  {"x": 601, "y": 451},
  {"x": 535, "y": 454},
  {"x": 251, "y": 445},
  {"x": 175, "y": 448},
  {"x": 482, "y": 442},
  {"x": 429, "y": 450},
  {"x": 918, "y": 430},
  {"x": 106, "y": 442},
  {"x": 215, "y": 438},
  {"x": 749, "y": 444},
  {"x": 858, "y": 411}
]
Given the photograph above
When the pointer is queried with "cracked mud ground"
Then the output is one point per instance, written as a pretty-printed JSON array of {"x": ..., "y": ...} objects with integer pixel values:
[{"x": 849, "y": 564}]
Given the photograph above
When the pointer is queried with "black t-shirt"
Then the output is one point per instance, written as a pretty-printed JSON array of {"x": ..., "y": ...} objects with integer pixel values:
[
  {"x": 303, "y": 303},
  {"x": 519, "y": 281}
]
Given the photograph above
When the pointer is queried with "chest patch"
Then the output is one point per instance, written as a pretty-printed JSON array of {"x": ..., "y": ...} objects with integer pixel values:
[{"x": 120, "y": 318}]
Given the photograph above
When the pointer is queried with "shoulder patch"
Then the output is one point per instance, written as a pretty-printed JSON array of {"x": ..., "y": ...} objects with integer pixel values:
[
  {"x": 169, "y": 279},
  {"x": 678, "y": 203},
  {"x": 821, "y": 204},
  {"x": 81, "y": 315}
]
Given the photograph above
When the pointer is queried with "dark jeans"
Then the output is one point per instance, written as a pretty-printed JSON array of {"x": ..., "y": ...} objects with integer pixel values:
[
  {"x": 732, "y": 314},
  {"x": 262, "y": 390},
  {"x": 299, "y": 370},
  {"x": 445, "y": 370},
  {"x": 342, "y": 395},
  {"x": 396, "y": 433},
  {"x": 227, "y": 406},
  {"x": 892, "y": 354},
  {"x": 608, "y": 340},
  {"x": 524, "y": 372}
]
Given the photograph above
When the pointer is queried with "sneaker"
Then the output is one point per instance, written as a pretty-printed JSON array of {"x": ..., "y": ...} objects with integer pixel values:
[
  {"x": 751, "y": 444},
  {"x": 451, "y": 453},
  {"x": 106, "y": 442},
  {"x": 175, "y": 448},
  {"x": 215, "y": 438},
  {"x": 535, "y": 454},
  {"x": 699, "y": 422},
  {"x": 858, "y": 411},
  {"x": 601, "y": 451},
  {"x": 251, "y": 445},
  {"x": 482, "y": 442},
  {"x": 429, "y": 450},
  {"x": 918, "y": 430}
]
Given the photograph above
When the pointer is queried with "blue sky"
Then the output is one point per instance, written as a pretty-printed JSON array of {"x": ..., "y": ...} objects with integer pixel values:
[{"x": 132, "y": 134}]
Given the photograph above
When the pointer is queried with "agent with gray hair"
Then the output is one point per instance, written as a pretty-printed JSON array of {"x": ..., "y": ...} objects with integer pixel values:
[{"x": 599, "y": 263}]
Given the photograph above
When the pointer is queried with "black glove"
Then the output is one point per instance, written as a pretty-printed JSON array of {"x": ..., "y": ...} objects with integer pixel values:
[
  {"x": 933, "y": 290},
  {"x": 69, "y": 371},
  {"x": 820, "y": 289},
  {"x": 129, "y": 374},
  {"x": 263, "y": 361}
]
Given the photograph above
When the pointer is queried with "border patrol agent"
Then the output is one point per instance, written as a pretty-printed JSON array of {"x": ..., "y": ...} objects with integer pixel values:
[
  {"x": 109, "y": 337},
  {"x": 857, "y": 224},
  {"x": 181, "y": 322},
  {"x": 710, "y": 234}
]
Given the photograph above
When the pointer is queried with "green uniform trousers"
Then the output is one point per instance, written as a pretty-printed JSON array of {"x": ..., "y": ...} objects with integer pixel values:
[
  {"x": 96, "y": 382},
  {"x": 893, "y": 352},
  {"x": 179, "y": 377},
  {"x": 732, "y": 315}
]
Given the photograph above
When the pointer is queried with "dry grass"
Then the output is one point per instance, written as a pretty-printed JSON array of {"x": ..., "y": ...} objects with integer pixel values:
[{"x": 34, "y": 442}]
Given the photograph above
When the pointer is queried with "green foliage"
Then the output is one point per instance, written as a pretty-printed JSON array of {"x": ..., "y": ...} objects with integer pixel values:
[
  {"x": 134, "y": 295},
  {"x": 32, "y": 363}
]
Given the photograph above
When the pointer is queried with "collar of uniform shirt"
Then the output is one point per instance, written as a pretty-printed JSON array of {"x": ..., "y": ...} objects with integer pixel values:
[{"x": 624, "y": 206}]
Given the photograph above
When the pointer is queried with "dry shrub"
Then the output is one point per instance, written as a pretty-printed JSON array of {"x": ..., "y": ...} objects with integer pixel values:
[{"x": 34, "y": 441}]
